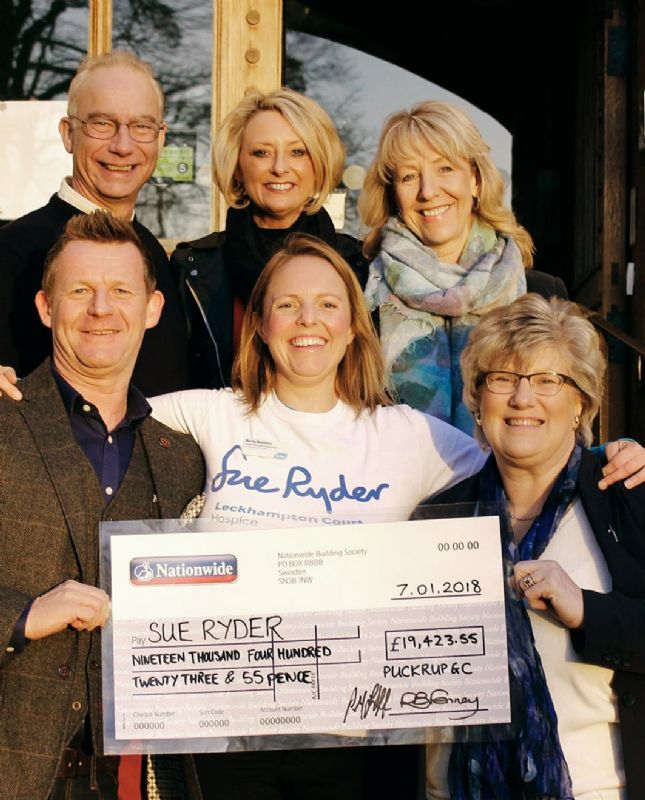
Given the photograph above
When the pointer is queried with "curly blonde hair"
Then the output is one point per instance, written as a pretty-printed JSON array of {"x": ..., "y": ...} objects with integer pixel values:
[{"x": 452, "y": 133}]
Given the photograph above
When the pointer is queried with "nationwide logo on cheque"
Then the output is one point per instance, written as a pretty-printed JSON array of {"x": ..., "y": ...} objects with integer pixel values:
[{"x": 155, "y": 570}]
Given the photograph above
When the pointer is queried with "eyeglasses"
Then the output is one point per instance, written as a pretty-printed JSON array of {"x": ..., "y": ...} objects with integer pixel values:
[
  {"x": 542, "y": 383},
  {"x": 141, "y": 131}
]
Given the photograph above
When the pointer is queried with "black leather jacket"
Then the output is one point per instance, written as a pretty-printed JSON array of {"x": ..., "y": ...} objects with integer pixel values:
[{"x": 207, "y": 299}]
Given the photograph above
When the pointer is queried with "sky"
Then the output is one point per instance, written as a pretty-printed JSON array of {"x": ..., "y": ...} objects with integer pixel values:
[{"x": 388, "y": 88}]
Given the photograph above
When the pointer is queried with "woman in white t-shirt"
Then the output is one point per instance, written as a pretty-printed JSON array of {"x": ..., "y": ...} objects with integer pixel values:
[{"x": 308, "y": 435}]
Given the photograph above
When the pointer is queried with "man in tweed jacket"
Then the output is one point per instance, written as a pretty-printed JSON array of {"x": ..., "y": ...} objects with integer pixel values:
[{"x": 57, "y": 481}]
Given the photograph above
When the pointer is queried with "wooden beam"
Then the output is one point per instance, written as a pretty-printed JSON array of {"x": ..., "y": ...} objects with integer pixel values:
[
  {"x": 100, "y": 27},
  {"x": 613, "y": 236},
  {"x": 247, "y": 54},
  {"x": 636, "y": 303}
]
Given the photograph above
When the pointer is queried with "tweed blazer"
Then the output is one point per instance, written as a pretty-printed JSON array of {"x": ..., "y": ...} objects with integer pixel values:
[{"x": 50, "y": 508}]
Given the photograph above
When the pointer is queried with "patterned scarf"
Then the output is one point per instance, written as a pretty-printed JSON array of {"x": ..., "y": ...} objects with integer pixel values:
[
  {"x": 530, "y": 765},
  {"x": 427, "y": 308}
]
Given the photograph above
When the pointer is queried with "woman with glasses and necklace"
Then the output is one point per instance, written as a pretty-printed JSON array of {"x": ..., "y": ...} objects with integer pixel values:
[{"x": 575, "y": 559}]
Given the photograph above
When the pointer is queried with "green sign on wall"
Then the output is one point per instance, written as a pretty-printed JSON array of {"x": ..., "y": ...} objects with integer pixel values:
[{"x": 176, "y": 163}]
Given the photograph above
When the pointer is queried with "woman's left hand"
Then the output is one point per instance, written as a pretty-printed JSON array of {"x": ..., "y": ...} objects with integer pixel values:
[
  {"x": 547, "y": 587},
  {"x": 625, "y": 459}
]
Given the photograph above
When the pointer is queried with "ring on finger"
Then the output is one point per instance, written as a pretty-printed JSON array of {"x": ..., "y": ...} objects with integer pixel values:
[{"x": 527, "y": 581}]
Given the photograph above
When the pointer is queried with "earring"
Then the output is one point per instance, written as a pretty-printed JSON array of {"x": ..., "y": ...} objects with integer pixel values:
[
  {"x": 478, "y": 418},
  {"x": 576, "y": 422},
  {"x": 313, "y": 199},
  {"x": 475, "y": 206},
  {"x": 240, "y": 192}
]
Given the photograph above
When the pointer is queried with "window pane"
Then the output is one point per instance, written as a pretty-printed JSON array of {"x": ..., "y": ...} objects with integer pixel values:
[
  {"x": 176, "y": 38},
  {"x": 358, "y": 91},
  {"x": 43, "y": 49}
]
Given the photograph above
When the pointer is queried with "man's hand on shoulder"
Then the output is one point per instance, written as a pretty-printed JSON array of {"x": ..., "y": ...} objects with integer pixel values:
[
  {"x": 9, "y": 383},
  {"x": 71, "y": 603},
  {"x": 625, "y": 462}
]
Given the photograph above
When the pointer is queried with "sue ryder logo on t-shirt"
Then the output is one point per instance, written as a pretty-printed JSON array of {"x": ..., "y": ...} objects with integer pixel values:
[{"x": 299, "y": 483}]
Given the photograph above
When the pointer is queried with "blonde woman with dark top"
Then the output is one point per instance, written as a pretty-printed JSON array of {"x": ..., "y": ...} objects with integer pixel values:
[{"x": 276, "y": 159}]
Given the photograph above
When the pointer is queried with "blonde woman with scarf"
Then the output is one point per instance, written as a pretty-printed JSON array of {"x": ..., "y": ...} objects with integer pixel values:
[{"x": 444, "y": 248}]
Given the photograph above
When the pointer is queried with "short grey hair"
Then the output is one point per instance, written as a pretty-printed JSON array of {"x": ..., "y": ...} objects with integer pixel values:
[{"x": 514, "y": 334}]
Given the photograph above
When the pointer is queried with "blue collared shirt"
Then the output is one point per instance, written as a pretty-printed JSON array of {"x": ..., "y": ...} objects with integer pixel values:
[{"x": 108, "y": 452}]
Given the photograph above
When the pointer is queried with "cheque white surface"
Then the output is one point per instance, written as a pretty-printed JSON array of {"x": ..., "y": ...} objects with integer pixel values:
[{"x": 380, "y": 626}]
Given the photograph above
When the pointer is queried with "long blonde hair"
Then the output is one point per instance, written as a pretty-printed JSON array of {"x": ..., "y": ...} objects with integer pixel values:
[{"x": 450, "y": 132}]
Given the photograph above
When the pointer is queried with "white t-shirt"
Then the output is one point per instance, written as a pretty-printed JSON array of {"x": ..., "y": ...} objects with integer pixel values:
[{"x": 283, "y": 468}]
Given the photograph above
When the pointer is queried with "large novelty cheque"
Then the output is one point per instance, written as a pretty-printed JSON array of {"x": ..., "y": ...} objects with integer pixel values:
[{"x": 301, "y": 631}]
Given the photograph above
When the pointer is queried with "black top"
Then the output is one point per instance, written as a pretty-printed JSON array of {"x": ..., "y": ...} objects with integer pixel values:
[
  {"x": 203, "y": 278},
  {"x": 546, "y": 285}
]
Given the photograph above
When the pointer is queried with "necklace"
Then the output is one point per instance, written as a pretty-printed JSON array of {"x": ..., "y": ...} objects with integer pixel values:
[{"x": 524, "y": 519}]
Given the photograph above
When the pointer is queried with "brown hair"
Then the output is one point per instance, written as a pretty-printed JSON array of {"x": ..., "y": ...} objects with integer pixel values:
[
  {"x": 102, "y": 227},
  {"x": 360, "y": 380},
  {"x": 311, "y": 123},
  {"x": 515, "y": 333},
  {"x": 452, "y": 133}
]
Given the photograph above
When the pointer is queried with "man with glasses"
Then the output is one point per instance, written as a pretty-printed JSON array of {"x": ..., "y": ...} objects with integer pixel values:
[{"x": 114, "y": 131}]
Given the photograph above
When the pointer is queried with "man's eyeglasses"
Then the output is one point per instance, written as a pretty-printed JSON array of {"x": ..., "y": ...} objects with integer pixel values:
[
  {"x": 543, "y": 383},
  {"x": 141, "y": 131}
]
